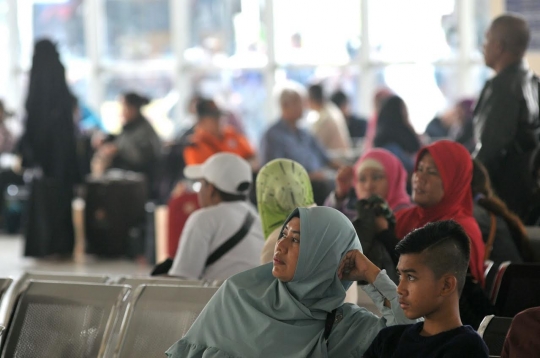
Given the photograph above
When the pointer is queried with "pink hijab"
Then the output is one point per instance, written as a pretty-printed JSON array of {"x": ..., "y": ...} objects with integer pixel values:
[{"x": 396, "y": 175}]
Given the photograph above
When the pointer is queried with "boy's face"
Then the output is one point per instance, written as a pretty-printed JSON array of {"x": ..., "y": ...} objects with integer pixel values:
[{"x": 420, "y": 293}]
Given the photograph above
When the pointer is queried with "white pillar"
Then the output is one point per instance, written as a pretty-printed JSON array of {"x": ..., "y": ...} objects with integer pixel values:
[
  {"x": 270, "y": 69},
  {"x": 366, "y": 80},
  {"x": 179, "y": 19},
  {"x": 466, "y": 12},
  {"x": 14, "y": 96},
  {"x": 94, "y": 27}
]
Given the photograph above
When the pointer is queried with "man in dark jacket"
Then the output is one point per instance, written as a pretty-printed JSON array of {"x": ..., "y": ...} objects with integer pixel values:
[{"x": 506, "y": 116}]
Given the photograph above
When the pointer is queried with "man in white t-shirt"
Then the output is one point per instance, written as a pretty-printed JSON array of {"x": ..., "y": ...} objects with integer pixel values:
[{"x": 225, "y": 236}]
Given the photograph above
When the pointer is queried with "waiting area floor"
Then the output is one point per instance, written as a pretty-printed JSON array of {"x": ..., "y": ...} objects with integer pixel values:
[{"x": 13, "y": 264}]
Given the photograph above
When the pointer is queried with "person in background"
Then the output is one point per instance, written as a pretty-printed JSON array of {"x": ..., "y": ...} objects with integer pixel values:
[
  {"x": 432, "y": 267},
  {"x": 225, "y": 218},
  {"x": 376, "y": 172},
  {"x": 395, "y": 132},
  {"x": 282, "y": 186},
  {"x": 286, "y": 139},
  {"x": 503, "y": 232},
  {"x": 506, "y": 116},
  {"x": 7, "y": 142},
  {"x": 441, "y": 191},
  {"x": 296, "y": 303},
  {"x": 137, "y": 148},
  {"x": 357, "y": 126},
  {"x": 211, "y": 137},
  {"x": 465, "y": 133},
  {"x": 327, "y": 122},
  {"x": 378, "y": 99},
  {"x": 522, "y": 338},
  {"x": 48, "y": 146},
  {"x": 443, "y": 126},
  {"x": 8, "y": 176},
  {"x": 368, "y": 194}
]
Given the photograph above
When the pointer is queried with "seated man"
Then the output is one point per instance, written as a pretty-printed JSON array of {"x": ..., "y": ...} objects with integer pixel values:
[
  {"x": 286, "y": 140},
  {"x": 211, "y": 137},
  {"x": 327, "y": 122},
  {"x": 225, "y": 236},
  {"x": 432, "y": 267},
  {"x": 357, "y": 126}
]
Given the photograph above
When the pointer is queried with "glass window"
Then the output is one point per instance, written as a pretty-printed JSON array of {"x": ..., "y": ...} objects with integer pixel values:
[
  {"x": 157, "y": 86},
  {"x": 137, "y": 29},
  {"x": 226, "y": 33},
  {"x": 413, "y": 30},
  {"x": 316, "y": 31},
  {"x": 63, "y": 23},
  {"x": 4, "y": 48}
]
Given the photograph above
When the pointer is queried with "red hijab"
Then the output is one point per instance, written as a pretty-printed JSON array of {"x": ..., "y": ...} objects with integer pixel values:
[
  {"x": 455, "y": 167},
  {"x": 396, "y": 175}
]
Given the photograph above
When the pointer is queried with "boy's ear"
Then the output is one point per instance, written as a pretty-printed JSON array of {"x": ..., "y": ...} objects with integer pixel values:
[{"x": 449, "y": 285}]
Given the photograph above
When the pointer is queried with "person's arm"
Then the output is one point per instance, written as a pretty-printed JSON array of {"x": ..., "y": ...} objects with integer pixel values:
[
  {"x": 499, "y": 126},
  {"x": 194, "y": 249},
  {"x": 380, "y": 288},
  {"x": 140, "y": 151}
]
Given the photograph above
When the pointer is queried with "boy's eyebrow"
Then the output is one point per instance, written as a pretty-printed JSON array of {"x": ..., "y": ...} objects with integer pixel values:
[{"x": 406, "y": 270}]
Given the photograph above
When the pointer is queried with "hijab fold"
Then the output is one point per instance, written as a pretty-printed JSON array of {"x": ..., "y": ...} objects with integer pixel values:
[
  {"x": 254, "y": 314},
  {"x": 455, "y": 166}
]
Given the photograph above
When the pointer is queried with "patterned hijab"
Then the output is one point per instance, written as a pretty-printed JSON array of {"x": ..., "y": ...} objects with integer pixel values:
[{"x": 282, "y": 186}]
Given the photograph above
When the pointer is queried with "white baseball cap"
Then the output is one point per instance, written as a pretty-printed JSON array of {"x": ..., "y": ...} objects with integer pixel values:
[{"x": 226, "y": 171}]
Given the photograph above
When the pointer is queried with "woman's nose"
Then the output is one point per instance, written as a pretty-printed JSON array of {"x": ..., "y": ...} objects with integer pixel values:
[{"x": 281, "y": 245}]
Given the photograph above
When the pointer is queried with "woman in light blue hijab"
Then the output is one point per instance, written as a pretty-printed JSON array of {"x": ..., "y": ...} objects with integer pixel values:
[{"x": 280, "y": 309}]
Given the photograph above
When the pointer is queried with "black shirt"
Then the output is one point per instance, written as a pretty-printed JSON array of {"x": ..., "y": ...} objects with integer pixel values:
[
  {"x": 405, "y": 341},
  {"x": 357, "y": 126}
]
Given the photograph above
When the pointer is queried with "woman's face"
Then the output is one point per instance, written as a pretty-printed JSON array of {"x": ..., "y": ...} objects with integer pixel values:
[
  {"x": 286, "y": 251},
  {"x": 371, "y": 181},
  {"x": 427, "y": 183}
]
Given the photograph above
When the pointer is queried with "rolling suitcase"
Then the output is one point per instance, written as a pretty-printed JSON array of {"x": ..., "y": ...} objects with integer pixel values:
[{"x": 115, "y": 215}]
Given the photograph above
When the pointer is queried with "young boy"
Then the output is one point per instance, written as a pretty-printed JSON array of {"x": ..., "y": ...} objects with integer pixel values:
[{"x": 432, "y": 267}]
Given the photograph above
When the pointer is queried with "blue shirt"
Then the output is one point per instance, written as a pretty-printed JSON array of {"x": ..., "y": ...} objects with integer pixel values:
[{"x": 281, "y": 141}]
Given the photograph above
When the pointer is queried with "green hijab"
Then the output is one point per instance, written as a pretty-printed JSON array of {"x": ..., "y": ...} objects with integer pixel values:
[
  {"x": 282, "y": 186},
  {"x": 254, "y": 314}
]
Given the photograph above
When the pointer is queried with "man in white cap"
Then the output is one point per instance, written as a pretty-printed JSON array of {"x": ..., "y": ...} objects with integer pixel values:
[{"x": 225, "y": 236}]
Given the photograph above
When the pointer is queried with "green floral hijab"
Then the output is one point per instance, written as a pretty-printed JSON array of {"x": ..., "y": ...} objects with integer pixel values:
[{"x": 282, "y": 186}]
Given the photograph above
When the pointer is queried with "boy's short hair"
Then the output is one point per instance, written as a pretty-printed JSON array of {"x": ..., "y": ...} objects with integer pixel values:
[{"x": 446, "y": 247}]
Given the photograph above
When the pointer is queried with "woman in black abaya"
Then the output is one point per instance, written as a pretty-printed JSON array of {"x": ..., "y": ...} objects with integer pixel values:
[{"x": 48, "y": 146}]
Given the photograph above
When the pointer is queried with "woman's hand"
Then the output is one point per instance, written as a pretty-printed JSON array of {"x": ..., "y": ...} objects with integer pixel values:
[
  {"x": 344, "y": 181},
  {"x": 355, "y": 266}
]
